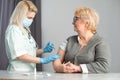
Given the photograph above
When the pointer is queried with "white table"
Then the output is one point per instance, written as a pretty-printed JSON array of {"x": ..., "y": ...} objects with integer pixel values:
[{"x": 5, "y": 75}]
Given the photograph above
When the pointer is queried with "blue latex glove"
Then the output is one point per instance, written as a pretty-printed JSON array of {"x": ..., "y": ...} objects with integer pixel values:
[
  {"x": 49, "y": 59},
  {"x": 48, "y": 48}
]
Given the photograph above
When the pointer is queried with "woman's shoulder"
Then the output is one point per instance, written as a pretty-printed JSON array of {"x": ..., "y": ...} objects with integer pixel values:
[
  {"x": 73, "y": 37},
  {"x": 12, "y": 29},
  {"x": 13, "y": 26},
  {"x": 97, "y": 39}
]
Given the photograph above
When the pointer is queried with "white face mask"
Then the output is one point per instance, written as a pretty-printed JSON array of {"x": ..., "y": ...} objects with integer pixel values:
[{"x": 27, "y": 22}]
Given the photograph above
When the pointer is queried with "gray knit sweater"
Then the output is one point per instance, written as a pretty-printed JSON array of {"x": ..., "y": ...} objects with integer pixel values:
[{"x": 95, "y": 54}]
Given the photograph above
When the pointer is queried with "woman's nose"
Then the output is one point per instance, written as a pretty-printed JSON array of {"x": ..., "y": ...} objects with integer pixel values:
[{"x": 73, "y": 22}]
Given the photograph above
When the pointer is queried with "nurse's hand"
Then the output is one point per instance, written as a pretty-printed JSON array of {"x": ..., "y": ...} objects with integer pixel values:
[
  {"x": 48, "y": 48},
  {"x": 49, "y": 59}
]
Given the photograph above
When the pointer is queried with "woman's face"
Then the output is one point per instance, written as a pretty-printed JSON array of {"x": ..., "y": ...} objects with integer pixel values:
[
  {"x": 27, "y": 21},
  {"x": 30, "y": 15},
  {"x": 79, "y": 25}
]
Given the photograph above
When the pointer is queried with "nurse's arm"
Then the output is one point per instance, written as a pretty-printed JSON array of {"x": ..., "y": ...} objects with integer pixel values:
[
  {"x": 28, "y": 58},
  {"x": 39, "y": 51}
]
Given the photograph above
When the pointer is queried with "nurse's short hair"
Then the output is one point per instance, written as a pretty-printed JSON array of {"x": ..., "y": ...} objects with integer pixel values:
[{"x": 21, "y": 10}]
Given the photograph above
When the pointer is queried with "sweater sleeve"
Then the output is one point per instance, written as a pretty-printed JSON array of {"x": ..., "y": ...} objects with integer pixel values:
[
  {"x": 102, "y": 59},
  {"x": 63, "y": 45}
]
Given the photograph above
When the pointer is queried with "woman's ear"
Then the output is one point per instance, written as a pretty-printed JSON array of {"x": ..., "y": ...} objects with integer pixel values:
[{"x": 87, "y": 24}]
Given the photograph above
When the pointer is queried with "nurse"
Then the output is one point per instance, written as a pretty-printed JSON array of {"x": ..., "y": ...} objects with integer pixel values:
[{"x": 20, "y": 45}]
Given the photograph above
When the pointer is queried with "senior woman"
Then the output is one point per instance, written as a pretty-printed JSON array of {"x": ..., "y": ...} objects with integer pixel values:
[{"x": 85, "y": 52}]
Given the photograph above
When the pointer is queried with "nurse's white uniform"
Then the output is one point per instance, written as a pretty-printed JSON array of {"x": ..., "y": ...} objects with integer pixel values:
[{"x": 17, "y": 43}]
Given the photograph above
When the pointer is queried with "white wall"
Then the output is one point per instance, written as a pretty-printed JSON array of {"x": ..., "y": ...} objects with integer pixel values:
[{"x": 57, "y": 16}]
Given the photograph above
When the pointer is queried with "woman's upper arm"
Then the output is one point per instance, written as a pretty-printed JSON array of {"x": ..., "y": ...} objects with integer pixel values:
[
  {"x": 62, "y": 54},
  {"x": 61, "y": 51},
  {"x": 102, "y": 59},
  {"x": 15, "y": 42}
]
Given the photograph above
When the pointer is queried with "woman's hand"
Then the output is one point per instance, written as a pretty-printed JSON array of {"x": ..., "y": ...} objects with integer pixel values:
[
  {"x": 71, "y": 68},
  {"x": 66, "y": 68}
]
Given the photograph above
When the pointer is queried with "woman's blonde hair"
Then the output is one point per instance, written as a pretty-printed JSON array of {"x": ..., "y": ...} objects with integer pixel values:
[
  {"x": 21, "y": 10},
  {"x": 87, "y": 14}
]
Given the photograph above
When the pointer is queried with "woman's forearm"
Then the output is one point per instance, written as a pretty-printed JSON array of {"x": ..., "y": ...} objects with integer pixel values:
[
  {"x": 28, "y": 58},
  {"x": 39, "y": 51},
  {"x": 58, "y": 65}
]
